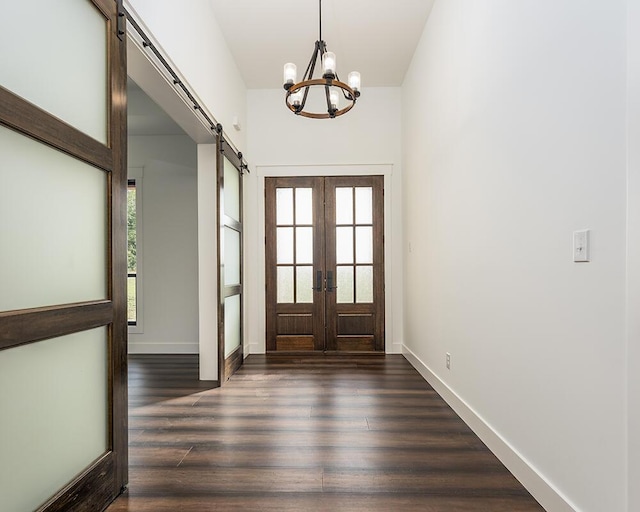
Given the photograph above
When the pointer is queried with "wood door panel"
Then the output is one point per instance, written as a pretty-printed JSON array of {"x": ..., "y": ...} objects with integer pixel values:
[
  {"x": 355, "y": 344},
  {"x": 295, "y": 343},
  {"x": 355, "y": 324},
  {"x": 295, "y": 324}
]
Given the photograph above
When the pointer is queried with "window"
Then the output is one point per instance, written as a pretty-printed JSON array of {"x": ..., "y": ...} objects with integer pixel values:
[
  {"x": 134, "y": 251},
  {"x": 132, "y": 255}
]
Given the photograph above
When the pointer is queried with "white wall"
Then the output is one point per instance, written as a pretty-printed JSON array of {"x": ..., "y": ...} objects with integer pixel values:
[
  {"x": 633, "y": 262},
  {"x": 208, "y": 229},
  {"x": 280, "y": 143},
  {"x": 514, "y": 137},
  {"x": 190, "y": 38},
  {"x": 189, "y": 35},
  {"x": 169, "y": 244}
]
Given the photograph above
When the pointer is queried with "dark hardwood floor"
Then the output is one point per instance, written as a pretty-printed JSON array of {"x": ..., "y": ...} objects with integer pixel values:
[{"x": 287, "y": 433}]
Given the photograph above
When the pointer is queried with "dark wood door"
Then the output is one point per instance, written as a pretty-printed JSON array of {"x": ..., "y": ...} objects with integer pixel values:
[
  {"x": 230, "y": 214},
  {"x": 63, "y": 331},
  {"x": 325, "y": 263}
]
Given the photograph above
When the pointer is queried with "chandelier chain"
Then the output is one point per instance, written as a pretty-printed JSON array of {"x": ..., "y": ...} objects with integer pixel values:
[{"x": 320, "y": 20}]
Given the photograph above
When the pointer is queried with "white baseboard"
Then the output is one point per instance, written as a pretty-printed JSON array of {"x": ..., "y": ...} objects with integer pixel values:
[
  {"x": 163, "y": 348},
  {"x": 547, "y": 495}
]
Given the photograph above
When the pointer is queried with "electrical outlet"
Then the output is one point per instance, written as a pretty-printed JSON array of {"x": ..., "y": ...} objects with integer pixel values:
[{"x": 448, "y": 361}]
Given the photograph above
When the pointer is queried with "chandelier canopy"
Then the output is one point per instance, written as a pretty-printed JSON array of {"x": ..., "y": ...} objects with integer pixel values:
[{"x": 297, "y": 93}]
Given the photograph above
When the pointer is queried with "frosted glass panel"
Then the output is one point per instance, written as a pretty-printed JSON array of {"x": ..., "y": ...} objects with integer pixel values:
[
  {"x": 53, "y": 398},
  {"x": 364, "y": 284},
  {"x": 285, "y": 285},
  {"x": 344, "y": 280},
  {"x": 364, "y": 205},
  {"x": 344, "y": 205},
  {"x": 231, "y": 256},
  {"x": 284, "y": 247},
  {"x": 364, "y": 245},
  {"x": 53, "y": 222},
  {"x": 231, "y": 190},
  {"x": 344, "y": 245},
  {"x": 304, "y": 284},
  {"x": 304, "y": 206},
  {"x": 284, "y": 206},
  {"x": 304, "y": 245},
  {"x": 231, "y": 324},
  {"x": 67, "y": 76}
]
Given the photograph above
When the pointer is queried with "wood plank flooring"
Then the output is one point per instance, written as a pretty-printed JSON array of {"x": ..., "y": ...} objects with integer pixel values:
[{"x": 317, "y": 433}]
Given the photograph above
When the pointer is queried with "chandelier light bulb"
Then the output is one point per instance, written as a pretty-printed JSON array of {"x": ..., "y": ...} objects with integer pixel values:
[
  {"x": 328, "y": 64},
  {"x": 290, "y": 73},
  {"x": 354, "y": 80},
  {"x": 296, "y": 98},
  {"x": 334, "y": 99}
]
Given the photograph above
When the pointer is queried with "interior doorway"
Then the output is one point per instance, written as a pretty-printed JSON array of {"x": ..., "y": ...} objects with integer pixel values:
[{"x": 325, "y": 263}]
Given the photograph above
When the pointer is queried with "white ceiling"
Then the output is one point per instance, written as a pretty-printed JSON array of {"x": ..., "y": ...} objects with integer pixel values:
[
  {"x": 375, "y": 37},
  {"x": 145, "y": 117}
]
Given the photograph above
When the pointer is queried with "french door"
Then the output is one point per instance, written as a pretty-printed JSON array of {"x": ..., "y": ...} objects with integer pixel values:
[{"x": 325, "y": 263}]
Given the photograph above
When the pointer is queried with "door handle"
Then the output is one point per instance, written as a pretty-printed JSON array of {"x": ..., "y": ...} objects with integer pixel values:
[
  {"x": 330, "y": 286},
  {"x": 318, "y": 286}
]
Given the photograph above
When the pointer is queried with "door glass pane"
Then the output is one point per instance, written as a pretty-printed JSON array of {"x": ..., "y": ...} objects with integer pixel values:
[
  {"x": 284, "y": 287},
  {"x": 304, "y": 245},
  {"x": 364, "y": 244},
  {"x": 344, "y": 281},
  {"x": 304, "y": 284},
  {"x": 364, "y": 205},
  {"x": 285, "y": 245},
  {"x": 73, "y": 60},
  {"x": 231, "y": 190},
  {"x": 56, "y": 425},
  {"x": 344, "y": 205},
  {"x": 304, "y": 206},
  {"x": 284, "y": 206},
  {"x": 42, "y": 189},
  {"x": 231, "y": 256},
  {"x": 344, "y": 245},
  {"x": 364, "y": 284},
  {"x": 231, "y": 324}
]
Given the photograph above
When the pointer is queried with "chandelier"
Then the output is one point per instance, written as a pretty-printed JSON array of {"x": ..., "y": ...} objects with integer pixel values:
[{"x": 297, "y": 93}]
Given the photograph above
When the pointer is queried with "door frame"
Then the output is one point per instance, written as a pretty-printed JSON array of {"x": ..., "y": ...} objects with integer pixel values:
[
  {"x": 256, "y": 308},
  {"x": 325, "y": 310}
]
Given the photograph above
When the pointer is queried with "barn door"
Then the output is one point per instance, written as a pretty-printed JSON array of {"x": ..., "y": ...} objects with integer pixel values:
[
  {"x": 63, "y": 420},
  {"x": 230, "y": 213}
]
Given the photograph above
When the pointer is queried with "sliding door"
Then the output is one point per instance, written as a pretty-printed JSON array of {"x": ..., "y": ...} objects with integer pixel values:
[
  {"x": 63, "y": 411},
  {"x": 231, "y": 308}
]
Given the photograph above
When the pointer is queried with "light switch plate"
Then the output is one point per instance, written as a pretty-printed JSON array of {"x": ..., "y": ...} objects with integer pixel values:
[{"x": 581, "y": 246}]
